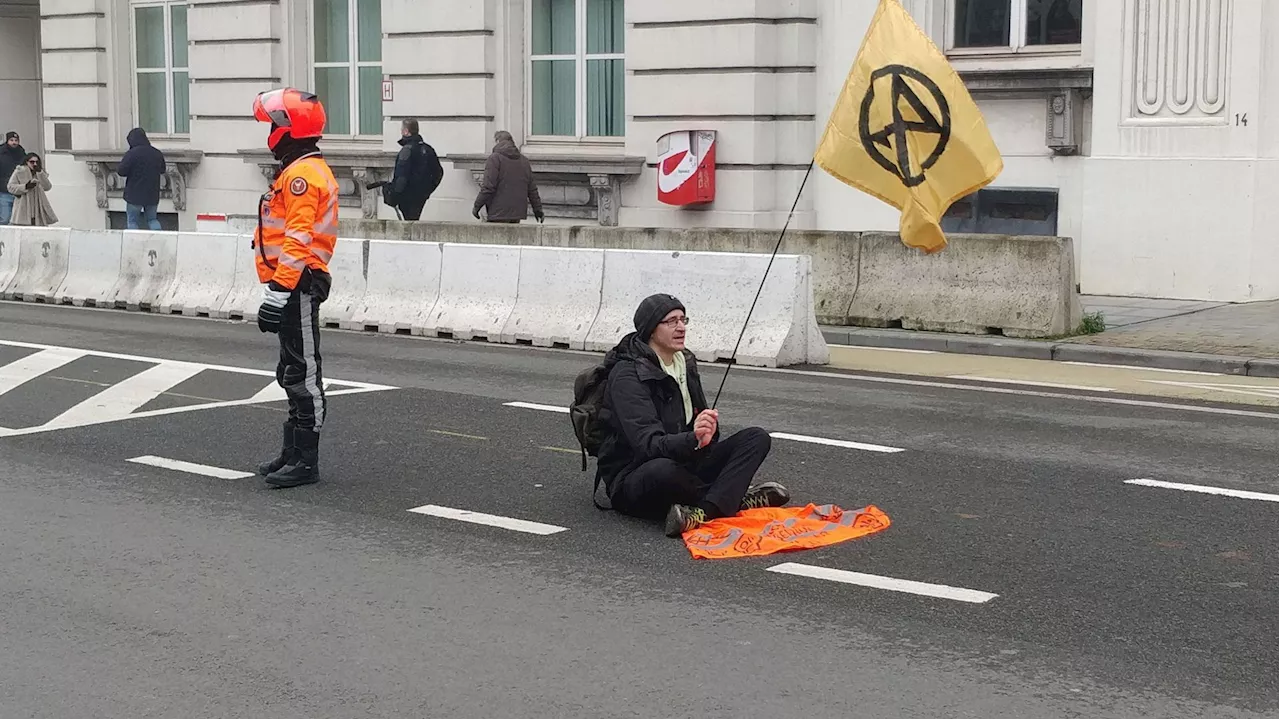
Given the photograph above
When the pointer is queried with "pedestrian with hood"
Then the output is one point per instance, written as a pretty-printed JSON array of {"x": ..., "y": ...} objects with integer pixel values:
[
  {"x": 11, "y": 158},
  {"x": 141, "y": 168},
  {"x": 28, "y": 184},
  {"x": 508, "y": 188},
  {"x": 418, "y": 173},
  {"x": 663, "y": 454}
]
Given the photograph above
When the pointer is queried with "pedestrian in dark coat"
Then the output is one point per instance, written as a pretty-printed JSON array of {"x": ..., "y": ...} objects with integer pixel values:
[
  {"x": 665, "y": 455},
  {"x": 12, "y": 156},
  {"x": 141, "y": 168},
  {"x": 508, "y": 188}
]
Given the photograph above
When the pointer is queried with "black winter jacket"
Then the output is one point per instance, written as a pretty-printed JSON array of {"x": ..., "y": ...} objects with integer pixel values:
[
  {"x": 646, "y": 412},
  {"x": 141, "y": 169},
  {"x": 10, "y": 159},
  {"x": 418, "y": 172}
]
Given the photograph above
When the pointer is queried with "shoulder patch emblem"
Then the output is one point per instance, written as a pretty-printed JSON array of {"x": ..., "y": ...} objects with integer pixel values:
[{"x": 298, "y": 186}]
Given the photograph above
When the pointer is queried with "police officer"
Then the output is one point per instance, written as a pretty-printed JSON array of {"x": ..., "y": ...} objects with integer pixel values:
[{"x": 297, "y": 231}]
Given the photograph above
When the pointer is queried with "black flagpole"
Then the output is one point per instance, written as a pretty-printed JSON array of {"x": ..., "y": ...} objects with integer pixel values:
[{"x": 787, "y": 224}]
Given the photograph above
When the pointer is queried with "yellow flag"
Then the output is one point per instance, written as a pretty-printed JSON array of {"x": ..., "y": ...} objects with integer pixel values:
[{"x": 906, "y": 130}]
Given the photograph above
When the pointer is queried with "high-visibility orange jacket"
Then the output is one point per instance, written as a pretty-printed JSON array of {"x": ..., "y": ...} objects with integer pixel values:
[{"x": 297, "y": 222}]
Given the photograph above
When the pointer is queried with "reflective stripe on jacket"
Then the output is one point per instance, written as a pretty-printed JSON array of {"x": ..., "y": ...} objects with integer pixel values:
[{"x": 298, "y": 222}]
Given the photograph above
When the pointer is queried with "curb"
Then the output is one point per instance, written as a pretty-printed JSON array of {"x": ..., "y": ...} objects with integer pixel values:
[{"x": 1050, "y": 350}]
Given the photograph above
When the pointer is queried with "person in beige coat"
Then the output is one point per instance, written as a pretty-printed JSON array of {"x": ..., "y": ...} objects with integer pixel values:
[{"x": 29, "y": 183}]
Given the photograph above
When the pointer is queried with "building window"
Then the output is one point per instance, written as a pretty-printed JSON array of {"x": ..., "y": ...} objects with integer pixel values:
[
  {"x": 348, "y": 65},
  {"x": 162, "y": 89},
  {"x": 576, "y": 67},
  {"x": 1014, "y": 25}
]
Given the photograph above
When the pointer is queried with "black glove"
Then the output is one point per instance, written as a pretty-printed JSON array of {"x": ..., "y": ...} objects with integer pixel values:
[
  {"x": 475, "y": 212},
  {"x": 32, "y": 184},
  {"x": 540, "y": 217},
  {"x": 271, "y": 312}
]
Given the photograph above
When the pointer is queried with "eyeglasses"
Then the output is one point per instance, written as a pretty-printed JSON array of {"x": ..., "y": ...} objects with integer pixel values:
[{"x": 675, "y": 321}]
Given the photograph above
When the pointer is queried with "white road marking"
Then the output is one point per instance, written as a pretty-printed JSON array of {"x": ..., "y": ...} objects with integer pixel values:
[
  {"x": 19, "y": 372},
  {"x": 1253, "y": 390},
  {"x": 776, "y": 435},
  {"x": 116, "y": 402},
  {"x": 190, "y": 468},
  {"x": 492, "y": 520},
  {"x": 1135, "y": 368},
  {"x": 157, "y": 360},
  {"x": 1237, "y": 493},
  {"x": 847, "y": 376},
  {"x": 539, "y": 407},
  {"x": 940, "y": 591},
  {"x": 122, "y": 398},
  {"x": 836, "y": 443},
  {"x": 888, "y": 349},
  {"x": 1029, "y": 383}
]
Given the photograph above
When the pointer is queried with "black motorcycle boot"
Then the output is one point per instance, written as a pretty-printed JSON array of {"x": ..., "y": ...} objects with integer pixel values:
[
  {"x": 286, "y": 453},
  {"x": 304, "y": 468}
]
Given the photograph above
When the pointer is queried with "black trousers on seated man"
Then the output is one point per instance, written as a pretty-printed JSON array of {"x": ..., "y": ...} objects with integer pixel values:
[{"x": 715, "y": 481}]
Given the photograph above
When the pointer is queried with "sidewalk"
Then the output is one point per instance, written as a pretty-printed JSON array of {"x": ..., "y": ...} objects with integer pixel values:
[{"x": 1237, "y": 339}]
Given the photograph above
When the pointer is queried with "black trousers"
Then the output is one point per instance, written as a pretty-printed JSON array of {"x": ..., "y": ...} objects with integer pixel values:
[
  {"x": 411, "y": 210},
  {"x": 716, "y": 481},
  {"x": 300, "y": 370}
]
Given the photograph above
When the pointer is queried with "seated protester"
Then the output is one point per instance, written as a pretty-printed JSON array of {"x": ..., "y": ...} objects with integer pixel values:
[{"x": 664, "y": 455}]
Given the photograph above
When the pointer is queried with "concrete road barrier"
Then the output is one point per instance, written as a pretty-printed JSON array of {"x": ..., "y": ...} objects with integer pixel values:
[
  {"x": 148, "y": 261},
  {"x": 718, "y": 289},
  {"x": 402, "y": 287},
  {"x": 478, "y": 288},
  {"x": 10, "y": 247},
  {"x": 245, "y": 296},
  {"x": 557, "y": 297},
  {"x": 347, "y": 268},
  {"x": 204, "y": 275},
  {"x": 42, "y": 262},
  {"x": 1017, "y": 286},
  {"x": 93, "y": 265},
  {"x": 1014, "y": 286}
]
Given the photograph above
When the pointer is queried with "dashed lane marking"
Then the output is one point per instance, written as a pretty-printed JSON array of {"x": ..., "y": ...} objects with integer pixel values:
[
  {"x": 1029, "y": 383},
  {"x": 459, "y": 435},
  {"x": 492, "y": 520},
  {"x": 776, "y": 435},
  {"x": 562, "y": 450},
  {"x": 178, "y": 465},
  {"x": 1222, "y": 491},
  {"x": 836, "y": 443},
  {"x": 538, "y": 407},
  {"x": 939, "y": 591}
]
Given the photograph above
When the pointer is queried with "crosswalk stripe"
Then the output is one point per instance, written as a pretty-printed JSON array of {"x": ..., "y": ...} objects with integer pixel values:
[
  {"x": 15, "y": 374},
  {"x": 122, "y": 398}
]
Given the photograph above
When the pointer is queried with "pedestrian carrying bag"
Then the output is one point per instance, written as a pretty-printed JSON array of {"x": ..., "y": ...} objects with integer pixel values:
[{"x": 590, "y": 417}]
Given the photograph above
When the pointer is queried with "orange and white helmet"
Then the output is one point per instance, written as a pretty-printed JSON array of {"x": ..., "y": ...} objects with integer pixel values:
[{"x": 290, "y": 111}]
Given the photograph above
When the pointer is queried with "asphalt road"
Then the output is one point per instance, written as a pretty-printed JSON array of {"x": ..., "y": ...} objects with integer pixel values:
[{"x": 128, "y": 590}]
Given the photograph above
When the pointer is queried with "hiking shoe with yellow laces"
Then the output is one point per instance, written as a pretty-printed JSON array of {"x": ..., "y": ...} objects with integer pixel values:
[
  {"x": 681, "y": 519},
  {"x": 768, "y": 494}
]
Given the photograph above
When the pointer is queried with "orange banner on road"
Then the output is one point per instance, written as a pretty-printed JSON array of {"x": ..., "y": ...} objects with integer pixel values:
[{"x": 758, "y": 532}]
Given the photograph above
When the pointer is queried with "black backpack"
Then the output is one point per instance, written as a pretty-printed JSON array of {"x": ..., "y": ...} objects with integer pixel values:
[{"x": 590, "y": 417}]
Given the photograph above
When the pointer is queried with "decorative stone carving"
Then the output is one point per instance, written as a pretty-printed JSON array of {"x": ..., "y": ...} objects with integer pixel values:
[
  {"x": 572, "y": 187},
  {"x": 353, "y": 170},
  {"x": 1065, "y": 91},
  {"x": 1176, "y": 52},
  {"x": 1065, "y": 122},
  {"x": 107, "y": 184},
  {"x": 99, "y": 173}
]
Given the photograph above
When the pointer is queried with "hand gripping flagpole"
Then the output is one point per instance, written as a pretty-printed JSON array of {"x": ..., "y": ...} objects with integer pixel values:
[{"x": 776, "y": 247}]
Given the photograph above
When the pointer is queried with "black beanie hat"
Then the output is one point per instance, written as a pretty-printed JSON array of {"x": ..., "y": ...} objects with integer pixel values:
[
  {"x": 10, "y": 135},
  {"x": 653, "y": 310}
]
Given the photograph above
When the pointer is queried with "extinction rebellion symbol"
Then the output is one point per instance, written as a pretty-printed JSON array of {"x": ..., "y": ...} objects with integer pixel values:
[{"x": 895, "y": 136}]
